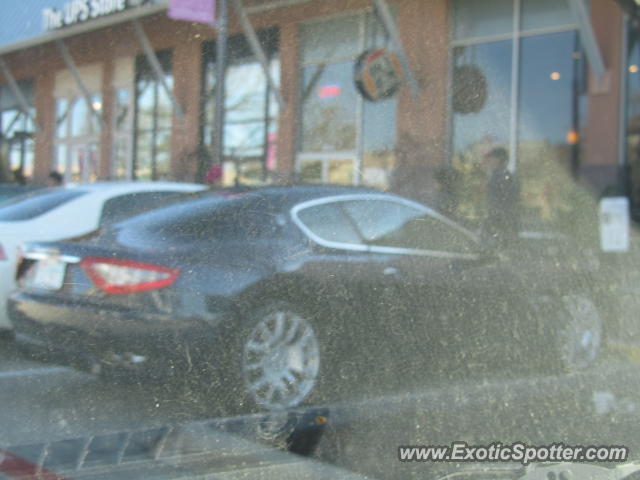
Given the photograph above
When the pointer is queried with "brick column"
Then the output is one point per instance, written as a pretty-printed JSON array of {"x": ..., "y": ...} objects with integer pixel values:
[
  {"x": 106, "y": 133},
  {"x": 600, "y": 162},
  {"x": 289, "y": 81},
  {"x": 45, "y": 115},
  {"x": 187, "y": 75},
  {"x": 424, "y": 34}
]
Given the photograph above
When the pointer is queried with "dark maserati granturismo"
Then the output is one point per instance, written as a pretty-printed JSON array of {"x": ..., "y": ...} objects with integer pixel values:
[{"x": 278, "y": 297}]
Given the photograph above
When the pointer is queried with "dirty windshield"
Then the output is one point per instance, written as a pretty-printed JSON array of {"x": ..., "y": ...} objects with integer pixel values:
[{"x": 378, "y": 239}]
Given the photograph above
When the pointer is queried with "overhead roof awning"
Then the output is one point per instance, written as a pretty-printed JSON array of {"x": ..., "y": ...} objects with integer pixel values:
[
  {"x": 125, "y": 17},
  {"x": 89, "y": 26},
  {"x": 17, "y": 93}
]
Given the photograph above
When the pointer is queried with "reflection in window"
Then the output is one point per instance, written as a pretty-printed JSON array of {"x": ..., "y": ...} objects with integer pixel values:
[
  {"x": 330, "y": 103},
  {"x": 487, "y": 17},
  {"x": 329, "y": 223},
  {"x": 311, "y": 171},
  {"x": 122, "y": 134},
  {"x": 550, "y": 109},
  {"x": 83, "y": 164},
  {"x": 251, "y": 110},
  {"x": 77, "y": 138},
  {"x": 537, "y": 116},
  {"x": 377, "y": 219},
  {"x": 341, "y": 171},
  {"x": 545, "y": 13},
  {"x": 481, "y": 116},
  {"x": 352, "y": 140},
  {"x": 392, "y": 224},
  {"x": 79, "y": 116},
  {"x": 488, "y": 121},
  {"x": 62, "y": 112},
  {"x": 16, "y": 134},
  {"x": 153, "y": 117},
  {"x": 633, "y": 121},
  {"x": 336, "y": 39}
]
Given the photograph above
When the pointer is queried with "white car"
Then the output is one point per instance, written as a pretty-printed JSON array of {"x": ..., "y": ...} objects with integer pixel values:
[{"x": 66, "y": 212}]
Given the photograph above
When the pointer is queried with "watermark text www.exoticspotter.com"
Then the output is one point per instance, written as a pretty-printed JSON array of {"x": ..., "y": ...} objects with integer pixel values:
[{"x": 513, "y": 453}]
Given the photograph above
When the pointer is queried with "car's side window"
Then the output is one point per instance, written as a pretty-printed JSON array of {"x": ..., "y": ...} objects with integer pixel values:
[
  {"x": 392, "y": 224},
  {"x": 328, "y": 222},
  {"x": 378, "y": 219}
]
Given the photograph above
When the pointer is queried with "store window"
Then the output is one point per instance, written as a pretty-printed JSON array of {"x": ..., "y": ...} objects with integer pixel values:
[
  {"x": 519, "y": 82},
  {"x": 343, "y": 139},
  {"x": 123, "y": 119},
  {"x": 633, "y": 120},
  {"x": 16, "y": 134},
  {"x": 251, "y": 110},
  {"x": 153, "y": 119},
  {"x": 78, "y": 125}
]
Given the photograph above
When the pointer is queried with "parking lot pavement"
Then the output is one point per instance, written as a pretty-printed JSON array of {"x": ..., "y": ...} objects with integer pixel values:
[
  {"x": 44, "y": 403},
  {"x": 14, "y": 365},
  {"x": 51, "y": 402}
]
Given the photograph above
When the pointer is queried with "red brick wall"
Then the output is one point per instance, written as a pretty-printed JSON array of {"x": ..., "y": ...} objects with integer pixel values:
[
  {"x": 187, "y": 78},
  {"x": 423, "y": 27},
  {"x": 106, "y": 150},
  {"x": 603, "y": 124},
  {"x": 424, "y": 31}
]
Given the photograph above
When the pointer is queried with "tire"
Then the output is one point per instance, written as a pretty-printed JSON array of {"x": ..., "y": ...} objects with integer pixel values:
[{"x": 277, "y": 359}]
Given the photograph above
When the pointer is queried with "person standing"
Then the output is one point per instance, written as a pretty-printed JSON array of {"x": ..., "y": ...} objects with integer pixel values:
[{"x": 503, "y": 199}]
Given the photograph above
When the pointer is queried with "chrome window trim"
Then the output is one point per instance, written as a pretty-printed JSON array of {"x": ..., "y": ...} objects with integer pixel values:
[
  {"x": 374, "y": 248},
  {"x": 422, "y": 253}
]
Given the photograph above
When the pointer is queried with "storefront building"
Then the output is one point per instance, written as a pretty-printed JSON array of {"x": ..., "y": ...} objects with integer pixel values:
[{"x": 485, "y": 73}]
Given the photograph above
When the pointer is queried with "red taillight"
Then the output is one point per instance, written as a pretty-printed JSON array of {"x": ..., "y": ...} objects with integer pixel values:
[
  {"x": 118, "y": 276},
  {"x": 3, "y": 256}
]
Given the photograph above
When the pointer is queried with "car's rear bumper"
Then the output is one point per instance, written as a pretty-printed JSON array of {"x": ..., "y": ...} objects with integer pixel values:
[{"x": 85, "y": 336}]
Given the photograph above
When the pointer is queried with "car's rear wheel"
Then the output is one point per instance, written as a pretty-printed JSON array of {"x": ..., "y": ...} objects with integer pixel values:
[
  {"x": 276, "y": 360},
  {"x": 280, "y": 358}
]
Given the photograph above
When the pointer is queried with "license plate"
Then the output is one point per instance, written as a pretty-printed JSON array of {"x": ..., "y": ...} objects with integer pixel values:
[{"x": 48, "y": 274}]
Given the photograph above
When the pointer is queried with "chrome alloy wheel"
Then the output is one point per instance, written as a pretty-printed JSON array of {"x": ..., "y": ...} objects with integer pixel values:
[{"x": 281, "y": 360}]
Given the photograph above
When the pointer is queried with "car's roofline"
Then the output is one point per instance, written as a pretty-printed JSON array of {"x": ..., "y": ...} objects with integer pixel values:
[{"x": 135, "y": 186}]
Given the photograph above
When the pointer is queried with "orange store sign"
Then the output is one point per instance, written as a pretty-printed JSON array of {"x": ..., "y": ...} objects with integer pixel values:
[{"x": 378, "y": 74}]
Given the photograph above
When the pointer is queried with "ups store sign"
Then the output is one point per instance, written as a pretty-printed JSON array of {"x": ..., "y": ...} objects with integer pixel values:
[{"x": 77, "y": 11}]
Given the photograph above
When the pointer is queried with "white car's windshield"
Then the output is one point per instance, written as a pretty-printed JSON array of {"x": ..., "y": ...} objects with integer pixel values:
[{"x": 33, "y": 205}]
